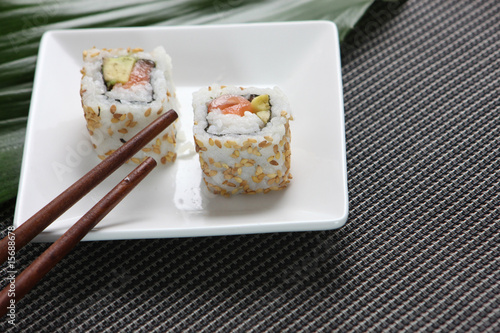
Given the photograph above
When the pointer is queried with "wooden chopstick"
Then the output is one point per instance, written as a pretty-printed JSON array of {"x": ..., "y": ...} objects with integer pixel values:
[
  {"x": 44, "y": 217},
  {"x": 64, "y": 244}
]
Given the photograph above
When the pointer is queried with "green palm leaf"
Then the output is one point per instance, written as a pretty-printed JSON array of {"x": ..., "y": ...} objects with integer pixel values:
[{"x": 22, "y": 23}]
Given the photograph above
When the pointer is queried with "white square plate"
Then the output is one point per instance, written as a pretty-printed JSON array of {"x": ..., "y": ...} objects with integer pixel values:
[{"x": 302, "y": 58}]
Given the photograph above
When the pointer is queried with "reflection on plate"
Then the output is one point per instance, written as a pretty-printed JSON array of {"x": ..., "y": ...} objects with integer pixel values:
[{"x": 302, "y": 58}]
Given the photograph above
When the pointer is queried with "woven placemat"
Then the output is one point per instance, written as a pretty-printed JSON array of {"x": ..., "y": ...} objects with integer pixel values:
[{"x": 420, "y": 251}]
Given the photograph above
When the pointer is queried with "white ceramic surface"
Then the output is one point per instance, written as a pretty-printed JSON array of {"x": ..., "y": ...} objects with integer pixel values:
[{"x": 302, "y": 58}]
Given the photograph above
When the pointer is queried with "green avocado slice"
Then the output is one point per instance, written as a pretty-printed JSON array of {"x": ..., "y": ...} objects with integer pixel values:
[{"x": 117, "y": 70}]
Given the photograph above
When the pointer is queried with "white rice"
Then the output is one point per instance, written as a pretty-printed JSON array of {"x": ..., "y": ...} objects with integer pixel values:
[
  {"x": 115, "y": 116},
  {"x": 247, "y": 156},
  {"x": 136, "y": 93},
  {"x": 220, "y": 123}
]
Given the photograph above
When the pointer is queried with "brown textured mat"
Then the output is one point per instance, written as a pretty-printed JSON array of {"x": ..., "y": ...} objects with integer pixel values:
[{"x": 420, "y": 251}]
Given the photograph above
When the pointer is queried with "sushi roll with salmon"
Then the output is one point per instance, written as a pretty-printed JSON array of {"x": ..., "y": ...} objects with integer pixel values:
[
  {"x": 242, "y": 136},
  {"x": 122, "y": 91}
]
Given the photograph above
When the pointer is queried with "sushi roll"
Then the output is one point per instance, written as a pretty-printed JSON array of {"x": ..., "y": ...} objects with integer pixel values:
[
  {"x": 242, "y": 136},
  {"x": 122, "y": 91}
]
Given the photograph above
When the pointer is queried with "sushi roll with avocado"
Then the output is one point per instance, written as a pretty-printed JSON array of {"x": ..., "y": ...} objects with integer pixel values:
[
  {"x": 242, "y": 136},
  {"x": 122, "y": 91}
]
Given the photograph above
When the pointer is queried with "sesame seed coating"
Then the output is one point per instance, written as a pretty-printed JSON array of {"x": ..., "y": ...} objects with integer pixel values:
[{"x": 245, "y": 163}]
